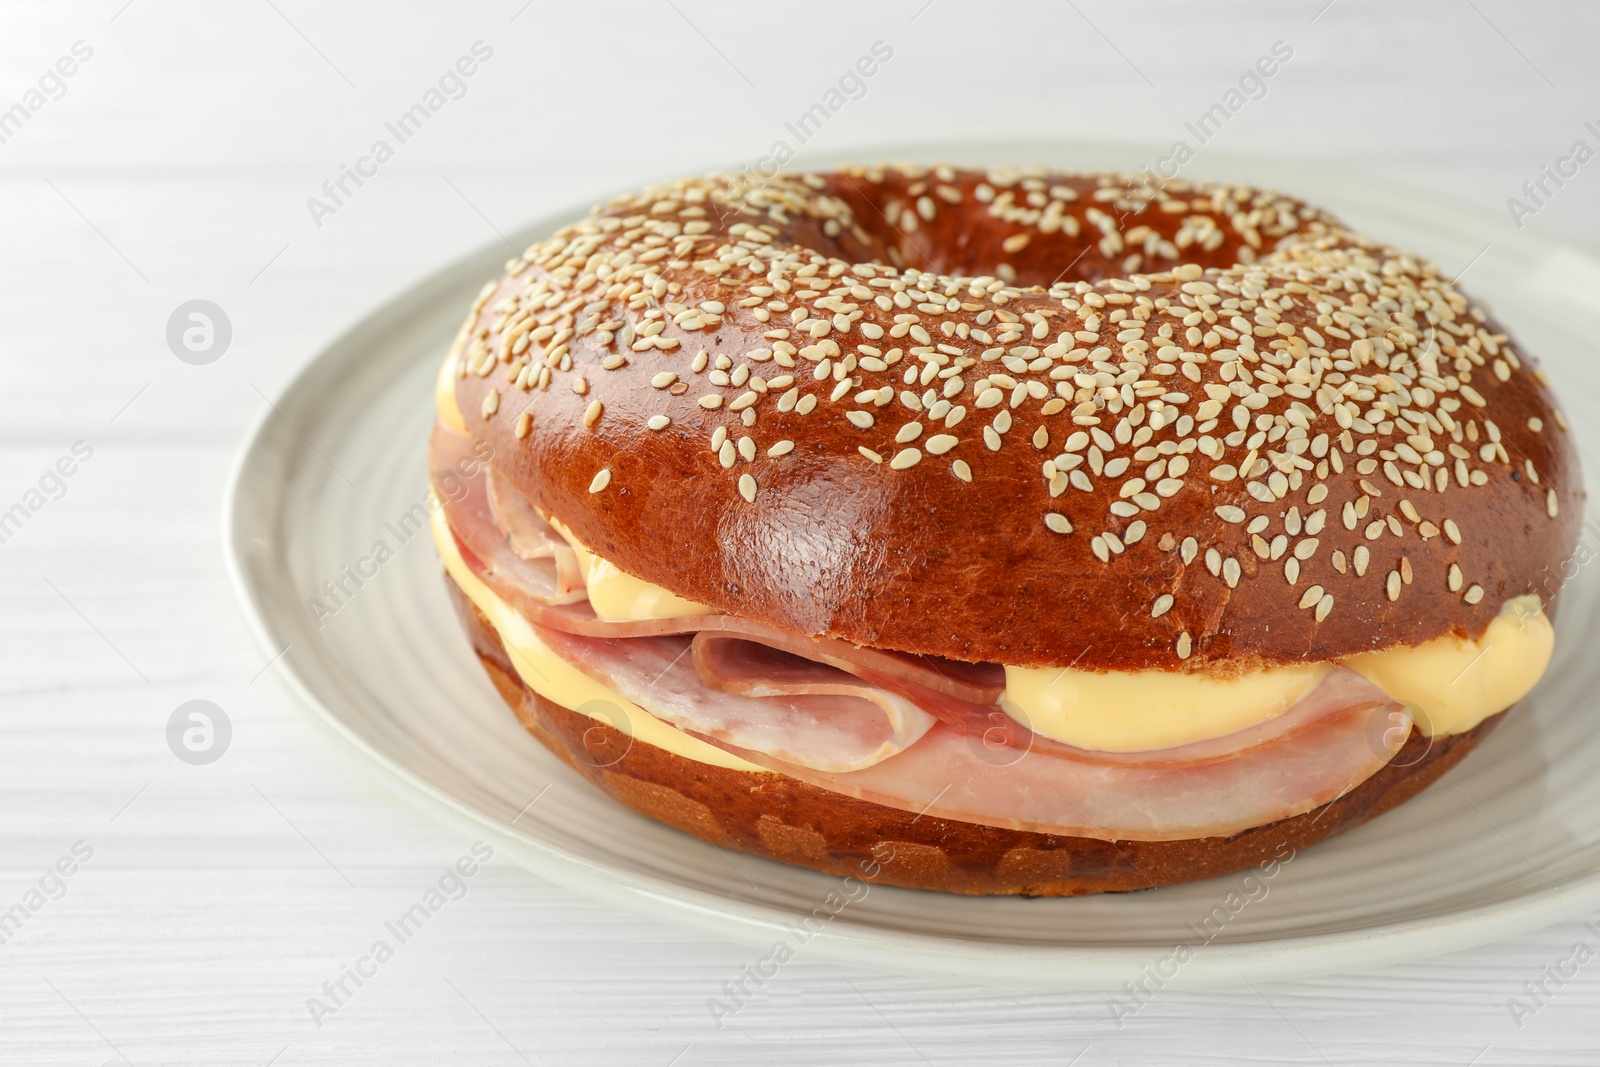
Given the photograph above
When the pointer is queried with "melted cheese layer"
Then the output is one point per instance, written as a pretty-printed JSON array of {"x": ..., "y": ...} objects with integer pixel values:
[
  {"x": 1452, "y": 685},
  {"x": 618, "y": 596},
  {"x": 556, "y": 680},
  {"x": 1138, "y": 711}
]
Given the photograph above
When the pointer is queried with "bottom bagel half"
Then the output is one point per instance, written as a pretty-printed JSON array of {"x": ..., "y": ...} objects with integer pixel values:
[{"x": 772, "y": 815}]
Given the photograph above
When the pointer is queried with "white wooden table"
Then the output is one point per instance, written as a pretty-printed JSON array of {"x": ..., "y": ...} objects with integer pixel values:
[{"x": 175, "y": 163}]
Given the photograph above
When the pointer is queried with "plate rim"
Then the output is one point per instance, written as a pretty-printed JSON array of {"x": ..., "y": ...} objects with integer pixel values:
[{"x": 997, "y": 963}]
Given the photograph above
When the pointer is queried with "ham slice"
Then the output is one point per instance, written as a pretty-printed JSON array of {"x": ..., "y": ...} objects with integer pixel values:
[
  {"x": 805, "y": 714},
  {"x": 722, "y": 660},
  {"x": 1354, "y": 729},
  {"x": 722, "y": 656},
  {"x": 1331, "y": 741},
  {"x": 531, "y": 538},
  {"x": 533, "y": 568},
  {"x": 524, "y": 560}
]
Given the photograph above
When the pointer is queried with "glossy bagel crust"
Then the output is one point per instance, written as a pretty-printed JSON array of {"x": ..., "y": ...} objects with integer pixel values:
[
  {"x": 1025, "y": 417},
  {"x": 771, "y": 815}
]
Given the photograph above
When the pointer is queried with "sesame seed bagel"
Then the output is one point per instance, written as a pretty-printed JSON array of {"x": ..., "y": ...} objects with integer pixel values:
[
  {"x": 777, "y": 817},
  {"x": 1025, "y": 417}
]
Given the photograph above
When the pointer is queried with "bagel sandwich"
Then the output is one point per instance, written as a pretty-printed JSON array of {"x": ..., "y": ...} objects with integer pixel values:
[{"x": 1000, "y": 532}]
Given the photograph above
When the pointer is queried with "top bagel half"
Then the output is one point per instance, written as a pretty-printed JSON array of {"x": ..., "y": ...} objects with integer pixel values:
[{"x": 1026, "y": 417}]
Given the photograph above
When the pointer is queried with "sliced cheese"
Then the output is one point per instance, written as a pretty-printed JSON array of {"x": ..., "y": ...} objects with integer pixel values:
[
  {"x": 1452, "y": 685},
  {"x": 1138, "y": 711},
  {"x": 618, "y": 596}
]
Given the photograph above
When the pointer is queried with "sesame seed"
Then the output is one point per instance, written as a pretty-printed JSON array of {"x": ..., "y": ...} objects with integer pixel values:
[
  {"x": 1184, "y": 645},
  {"x": 782, "y": 448},
  {"x": 869, "y": 453},
  {"x": 524, "y": 424},
  {"x": 1057, "y": 522},
  {"x": 906, "y": 457},
  {"x": 940, "y": 443},
  {"x": 960, "y": 469},
  {"x": 747, "y": 487},
  {"x": 491, "y": 402},
  {"x": 1229, "y": 513},
  {"x": 601, "y": 480},
  {"x": 861, "y": 420},
  {"x": 711, "y": 401},
  {"x": 1473, "y": 594},
  {"x": 1324, "y": 606},
  {"x": 591, "y": 414},
  {"x": 1162, "y": 605},
  {"x": 664, "y": 379},
  {"x": 658, "y": 422},
  {"x": 1392, "y": 585}
]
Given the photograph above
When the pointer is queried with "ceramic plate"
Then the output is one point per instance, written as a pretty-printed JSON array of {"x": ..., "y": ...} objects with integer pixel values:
[{"x": 331, "y": 480}]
